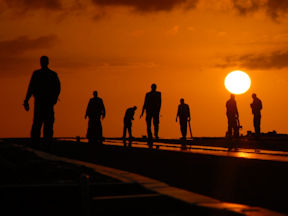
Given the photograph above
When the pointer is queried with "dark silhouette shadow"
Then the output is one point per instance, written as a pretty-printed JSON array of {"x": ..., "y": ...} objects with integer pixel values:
[
  {"x": 152, "y": 106},
  {"x": 256, "y": 107},
  {"x": 95, "y": 110},
  {"x": 233, "y": 123},
  {"x": 45, "y": 87},
  {"x": 129, "y": 116},
  {"x": 183, "y": 113}
]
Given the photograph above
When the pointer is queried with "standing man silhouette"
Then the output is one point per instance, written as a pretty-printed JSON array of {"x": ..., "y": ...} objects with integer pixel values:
[
  {"x": 184, "y": 116},
  {"x": 152, "y": 106},
  {"x": 45, "y": 87},
  {"x": 256, "y": 107},
  {"x": 233, "y": 117},
  {"x": 95, "y": 110}
]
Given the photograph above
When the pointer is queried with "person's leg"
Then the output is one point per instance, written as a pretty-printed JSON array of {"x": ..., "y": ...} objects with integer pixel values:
[
  {"x": 148, "y": 122},
  {"x": 130, "y": 134},
  {"x": 255, "y": 124},
  {"x": 229, "y": 131},
  {"x": 99, "y": 132},
  {"x": 235, "y": 127},
  {"x": 48, "y": 124},
  {"x": 130, "y": 131},
  {"x": 156, "y": 124},
  {"x": 124, "y": 131},
  {"x": 185, "y": 128},
  {"x": 37, "y": 125},
  {"x": 182, "y": 128},
  {"x": 149, "y": 132},
  {"x": 90, "y": 131},
  {"x": 259, "y": 125},
  {"x": 256, "y": 121}
]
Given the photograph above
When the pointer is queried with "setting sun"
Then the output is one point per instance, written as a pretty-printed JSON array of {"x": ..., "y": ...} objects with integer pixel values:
[{"x": 237, "y": 82}]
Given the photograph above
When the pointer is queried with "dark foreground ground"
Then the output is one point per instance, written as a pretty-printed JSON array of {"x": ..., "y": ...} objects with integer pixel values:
[
  {"x": 31, "y": 186},
  {"x": 239, "y": 179}
]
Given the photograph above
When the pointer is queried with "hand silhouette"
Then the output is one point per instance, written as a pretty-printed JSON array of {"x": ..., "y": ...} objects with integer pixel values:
[{"x": 26, "y": 105}]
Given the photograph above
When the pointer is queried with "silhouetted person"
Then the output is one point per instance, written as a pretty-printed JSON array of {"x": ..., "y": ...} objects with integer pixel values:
[
  {"x": 184, "y": 116},
  {"x": 129, "y": 116},
  {"x": 45, "y": 88},
  {"x": 95, "y": 110},
  {"x": 152, "y": 106},
  {"x": 256, "y": 107},
  {"x": 233, "y": 117}
]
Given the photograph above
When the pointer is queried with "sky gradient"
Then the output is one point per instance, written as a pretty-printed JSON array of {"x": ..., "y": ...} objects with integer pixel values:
[{"x": 121, "y": 47}]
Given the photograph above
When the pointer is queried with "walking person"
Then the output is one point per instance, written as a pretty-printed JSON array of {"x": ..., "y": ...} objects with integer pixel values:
[
  {"x": 152, "y": 106},
  {"x": 183, "y": 113}
]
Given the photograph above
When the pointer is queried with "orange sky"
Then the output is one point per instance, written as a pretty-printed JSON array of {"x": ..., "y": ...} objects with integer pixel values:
[{"x": 120, "y": 48}]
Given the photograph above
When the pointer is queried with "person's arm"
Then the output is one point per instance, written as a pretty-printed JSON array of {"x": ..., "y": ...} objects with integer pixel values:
[
  {"x": 251, "y": 105},
  {"x": 58, "y": 88},
  {"x": 133, "y": 113},
  {"x": 188, "y": 110},
  {"x": 29, "y": 93},
  {"x": 103, "y": 110},
  {"x": 160, "y": 101},
  {"x": 144, "y": 106},
  {"x": 177, "y": 114},
  {"x": 87, "y": 110},
  {"x": 237, "y": 114}
]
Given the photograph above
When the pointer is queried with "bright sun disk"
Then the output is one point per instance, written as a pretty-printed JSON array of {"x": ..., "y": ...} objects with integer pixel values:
[{"x": 237, "y": 82}]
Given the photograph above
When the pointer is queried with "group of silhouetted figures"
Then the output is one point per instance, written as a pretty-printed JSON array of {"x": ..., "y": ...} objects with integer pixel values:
[
  {"x": 45, "y": 87},
  {"x": 233, "y": 116}
]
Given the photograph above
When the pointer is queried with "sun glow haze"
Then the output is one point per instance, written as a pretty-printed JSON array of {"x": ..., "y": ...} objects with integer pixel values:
[
  {"x": 237, "y": 82},
  {"x": 120, "y": 48}
]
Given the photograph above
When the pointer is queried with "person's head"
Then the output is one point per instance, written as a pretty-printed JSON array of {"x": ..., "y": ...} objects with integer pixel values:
[
  {"x": 232, "y": 96},
  {"x": 95, "y": 94},
  {"x": 254, "y": 96},
  {"x": 153, "y": 87},
  {"x": 44, "y": 61},
  {"x": 182, "y": 100},
  {"x": 135, "y": 107}
]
